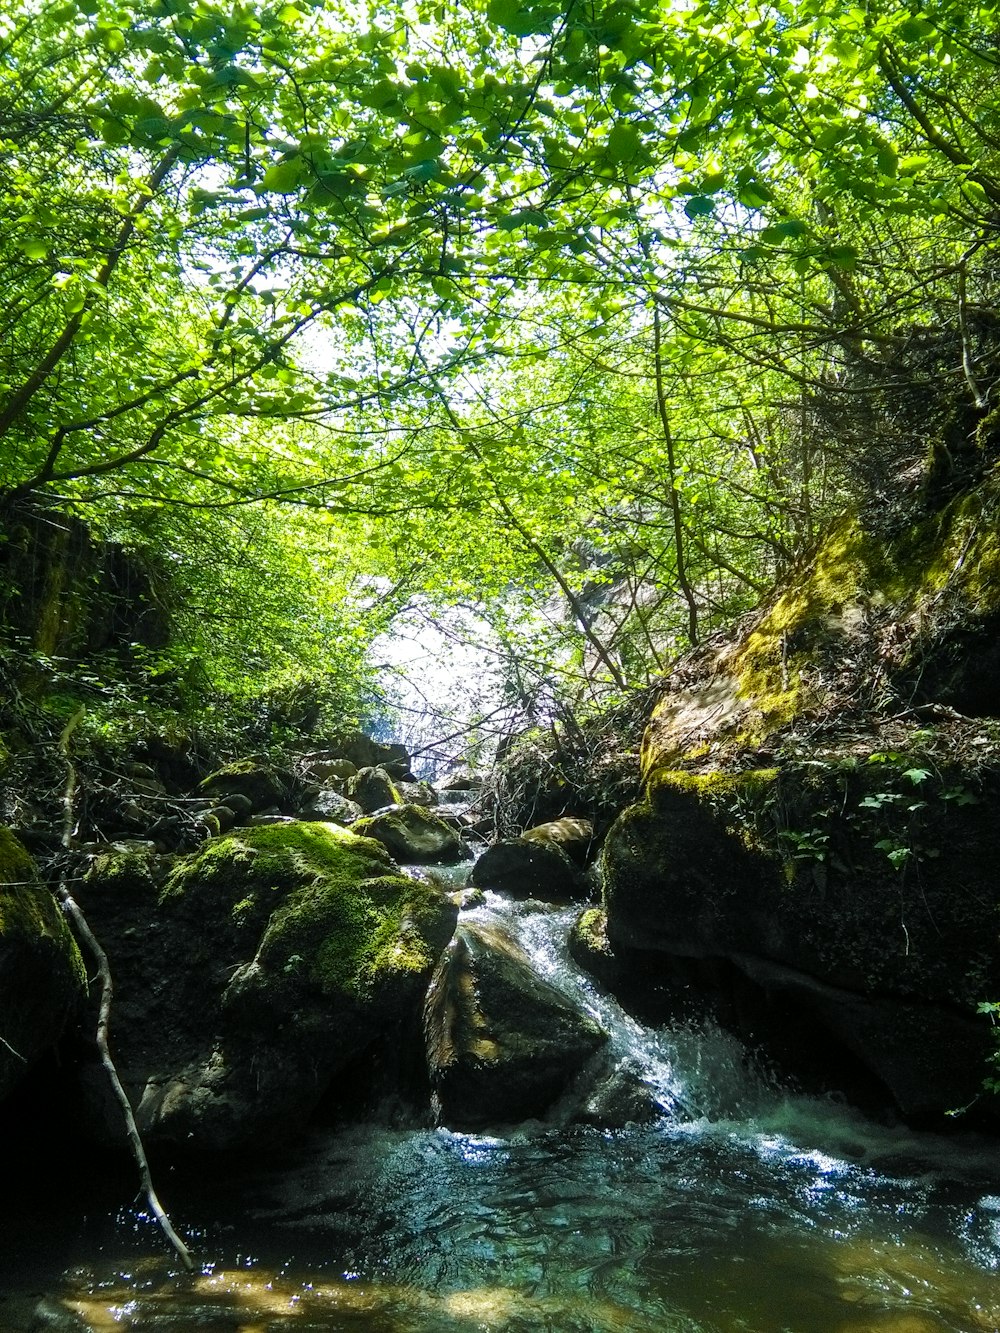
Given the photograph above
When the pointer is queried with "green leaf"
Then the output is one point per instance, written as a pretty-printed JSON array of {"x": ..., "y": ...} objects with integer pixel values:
[
  {"x": 916, "y": 29},
  {"x": 699, "y": 206},
  {"x": 33, "y": 247},
  {"x": 283, "y": 177},
  {"x": 888, "y": 162},
  {"x": 624, "y": 142}
]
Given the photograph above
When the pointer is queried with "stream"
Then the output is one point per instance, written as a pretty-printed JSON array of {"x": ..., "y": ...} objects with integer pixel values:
[{"x": 743, "y": 1207}]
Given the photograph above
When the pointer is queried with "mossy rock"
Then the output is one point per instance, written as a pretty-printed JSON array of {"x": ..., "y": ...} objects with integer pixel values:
[
  {"x": 863, "y": 894},
  {"x": 927, "y": 598},
  {"x": 42, "y": 977},
  {"x": 528, "y": 868},
  {"x": 590, "y": 947},
  {"x": 413, "y": 835},
  {"x": 281, "y": 955},
  {"x": 260, "y": 783},
  {"x": 372, "y": 789}
]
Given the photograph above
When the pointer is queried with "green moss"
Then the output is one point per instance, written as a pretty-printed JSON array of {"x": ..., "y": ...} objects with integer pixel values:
[
  {"x": 279, "y": 856},
  {"x": 590, "y": 931},
  {"x": 326, "y": 901},
  {"x": 771, "y": 665},
  {"x": 354, "y": 942},
  {"x": 709, "y": 785},
  {"x": 16, "y": 866},
  {"x": 29, "y": 913}
]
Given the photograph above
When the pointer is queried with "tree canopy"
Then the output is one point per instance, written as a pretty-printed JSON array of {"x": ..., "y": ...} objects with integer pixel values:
[{"x": 585, "y": 311}]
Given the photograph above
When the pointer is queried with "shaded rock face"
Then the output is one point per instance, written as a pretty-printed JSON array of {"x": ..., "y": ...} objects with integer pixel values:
[
  {"x": 256, "y": 785},
  {"x": 364, "y": 752},
  {"x": 265, "y": 967},
  {"x": 413, "y": 836},
  {"x": 527, "y": 868},
  {"x": 845, "y": 908},
  {"x": 502, "y": 1043},
  {"x": 42, "y": 978}
]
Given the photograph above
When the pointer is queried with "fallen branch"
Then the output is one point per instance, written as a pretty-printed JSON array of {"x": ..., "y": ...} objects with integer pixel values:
[
  {"x": 72, "y": 908},
  {"x": 16, "y": 1054}
]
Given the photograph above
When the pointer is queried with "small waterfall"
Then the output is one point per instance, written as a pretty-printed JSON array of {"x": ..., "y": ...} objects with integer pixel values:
[{"x": 694, "y": 1071}]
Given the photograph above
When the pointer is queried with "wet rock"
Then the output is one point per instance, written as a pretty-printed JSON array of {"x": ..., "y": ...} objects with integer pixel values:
[
  {"x": 771, "y": 891},
  {"x": 570, "y": 834},
  {"x": 329, "y": 806},
  {"x": 373, "y": 788},
  {"x": 418, "y": 793},
  {"x": 42, "y": 977},
  {"x": 590, "y": 948},
  {"x": 304, "y": 951},
  {"x": 467, "y": 899},
  {"x": 526, "y": 868},
  {"x": 51, "y": 1316},
  {"x": 413, "y": 835},
  {"x": 621, "y": 1097},
  {"x": 502, "y": 1043}
]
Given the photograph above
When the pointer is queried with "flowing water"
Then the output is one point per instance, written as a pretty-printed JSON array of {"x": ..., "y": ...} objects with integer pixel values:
[{"x": 742, "y": 1208}]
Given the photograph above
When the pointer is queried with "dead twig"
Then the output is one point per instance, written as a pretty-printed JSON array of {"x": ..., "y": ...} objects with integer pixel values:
[{"x": 93, "y": 945}]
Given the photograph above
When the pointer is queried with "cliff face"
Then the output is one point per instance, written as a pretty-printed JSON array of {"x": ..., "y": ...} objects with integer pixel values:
[{"x": 817, "y": 844}]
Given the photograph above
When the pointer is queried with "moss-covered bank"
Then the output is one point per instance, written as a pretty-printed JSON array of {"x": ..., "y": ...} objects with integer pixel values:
[{"x": 816, "y": 847}]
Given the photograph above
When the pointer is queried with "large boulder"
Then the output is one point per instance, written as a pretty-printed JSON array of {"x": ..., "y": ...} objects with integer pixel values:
[
  {"x": 816, "y": 847},
  {"x": 502, "y": 1043},
  {"x": 42, "y": 977},
  {"x": 364, "y": 752},
  {"x": 413, "y": 835},
  {"x": 254, "y": 780},
  {"x": 527, "y": 868},
  {"x": 571, "y": 834},
  {"x": 252, "y": 975},
  {"x": 843, "y": 908}
]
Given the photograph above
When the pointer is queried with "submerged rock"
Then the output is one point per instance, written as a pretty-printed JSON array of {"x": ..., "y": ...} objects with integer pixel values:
[
  {"x": 502, "y": 1043},
  {"x": 620, "y": 1097},
  {"x": 413, "y": 835},
  {"x": 252, "y": 974},
  {"x": 42, "y": 977}
]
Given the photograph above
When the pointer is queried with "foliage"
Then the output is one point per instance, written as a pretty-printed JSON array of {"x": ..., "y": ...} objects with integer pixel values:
[{"x": 597, "y": 308}]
